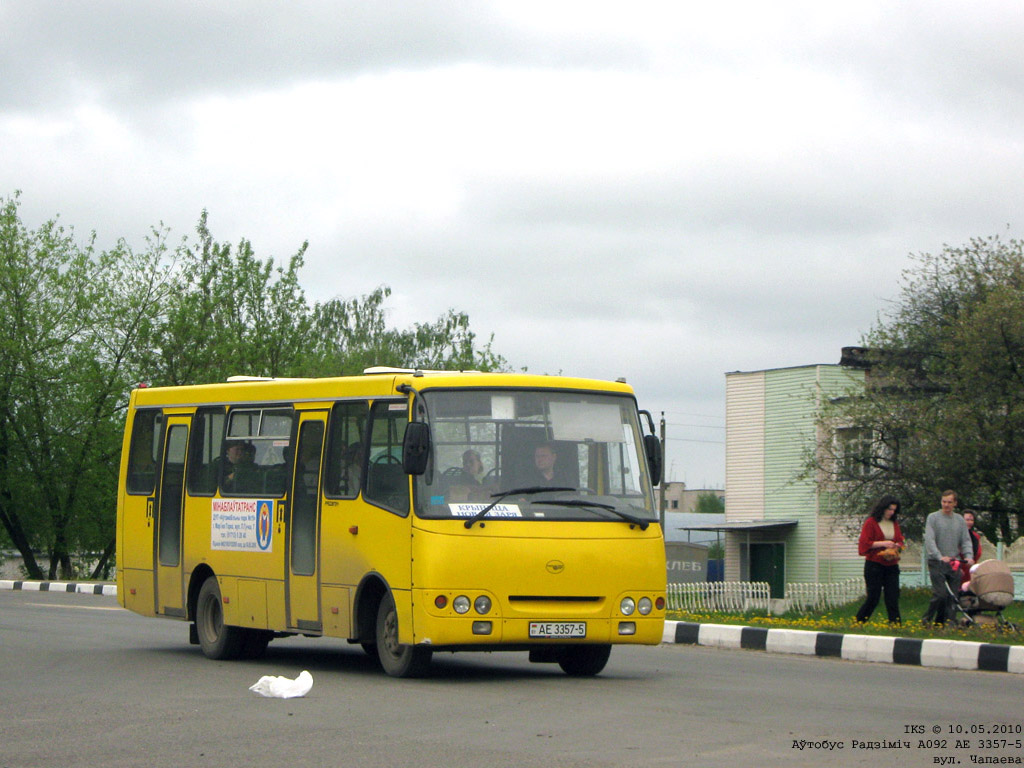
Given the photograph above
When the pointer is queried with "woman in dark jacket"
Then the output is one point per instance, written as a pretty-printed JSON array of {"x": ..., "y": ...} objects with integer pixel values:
[{"x": 880, "y": 543}]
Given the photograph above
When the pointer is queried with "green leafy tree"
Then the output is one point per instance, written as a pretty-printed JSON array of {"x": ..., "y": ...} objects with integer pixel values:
[
  {"x": 942, "y": 404},
  {"x": 350, "y": 335},
  {"x": 231, "y": 313},
  {"x": 710, "y": 504},
  {"x": 73, "y": 319},
  {"x": 83, "y": 327}
]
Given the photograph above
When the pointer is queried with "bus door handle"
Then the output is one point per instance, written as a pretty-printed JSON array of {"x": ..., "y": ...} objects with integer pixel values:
[
  {"x": 150, "y": 507},
  {"x": 280, "y": 514}
]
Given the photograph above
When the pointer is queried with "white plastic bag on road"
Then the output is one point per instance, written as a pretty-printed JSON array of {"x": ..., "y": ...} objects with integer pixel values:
[{"x": 283, "y": 687}]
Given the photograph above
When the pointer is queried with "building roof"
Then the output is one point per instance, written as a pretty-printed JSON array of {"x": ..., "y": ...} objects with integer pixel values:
[
  {"x": 692, "y": 527},
  {"x": 746, "y": 525}
]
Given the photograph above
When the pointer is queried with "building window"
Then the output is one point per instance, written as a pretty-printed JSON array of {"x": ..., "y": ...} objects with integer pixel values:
[{"x": 854, "y": 452}]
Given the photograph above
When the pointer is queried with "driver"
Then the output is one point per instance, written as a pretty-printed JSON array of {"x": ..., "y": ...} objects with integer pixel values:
[{"x": 544, "y": 459}]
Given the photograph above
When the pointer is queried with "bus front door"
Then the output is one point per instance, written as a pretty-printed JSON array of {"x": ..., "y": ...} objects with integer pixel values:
[
  {"x": 302, "y": 568},
  {"x": 168, "y": 583}
]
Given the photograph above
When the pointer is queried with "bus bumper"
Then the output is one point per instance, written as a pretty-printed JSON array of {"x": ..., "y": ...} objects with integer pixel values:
[{"x": 443, "y": 627}]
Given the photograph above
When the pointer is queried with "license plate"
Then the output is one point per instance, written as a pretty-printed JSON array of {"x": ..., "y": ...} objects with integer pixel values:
[{"x": 558, "y": 629}]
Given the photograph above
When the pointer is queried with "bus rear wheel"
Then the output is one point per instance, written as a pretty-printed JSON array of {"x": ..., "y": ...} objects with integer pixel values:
[
  {"x": 584, "y": 660},
  {"x": 397, "y": 660},
  {"x": 217, "y": 640}
]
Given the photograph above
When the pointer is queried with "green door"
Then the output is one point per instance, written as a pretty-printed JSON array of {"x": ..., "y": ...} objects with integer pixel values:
[{"x": 768, "y": 563}]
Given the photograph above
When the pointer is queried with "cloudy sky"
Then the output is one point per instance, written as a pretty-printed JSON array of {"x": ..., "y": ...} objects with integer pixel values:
[{"x": 663, "y": 191}]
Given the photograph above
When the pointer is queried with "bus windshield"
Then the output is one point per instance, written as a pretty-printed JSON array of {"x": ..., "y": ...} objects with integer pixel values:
[{"x": 541, "y": 454}]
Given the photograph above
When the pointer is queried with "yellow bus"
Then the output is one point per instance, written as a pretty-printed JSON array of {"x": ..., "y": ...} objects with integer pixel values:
[{"x": 411, "y": 512}]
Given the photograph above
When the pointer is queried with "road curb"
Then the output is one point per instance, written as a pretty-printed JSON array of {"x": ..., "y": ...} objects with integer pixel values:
[
  {"x": 950, "y": 654},
  {"x": 88, "y": 588}
]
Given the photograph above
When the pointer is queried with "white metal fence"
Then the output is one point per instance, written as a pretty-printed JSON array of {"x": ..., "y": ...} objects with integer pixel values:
[
  {"x": 743, "y": 596},
  {"x": 805, "y": 596},
  {"x": 719, "y": 596}
]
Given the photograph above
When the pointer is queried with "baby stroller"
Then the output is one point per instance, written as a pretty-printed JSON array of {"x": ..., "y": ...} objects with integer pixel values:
[{"x": 983, "y": 598}]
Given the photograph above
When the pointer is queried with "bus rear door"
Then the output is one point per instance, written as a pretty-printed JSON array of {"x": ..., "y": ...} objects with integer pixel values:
[
  {"x": 302, "y": 569},
  {"x": 168, "y": 580}
]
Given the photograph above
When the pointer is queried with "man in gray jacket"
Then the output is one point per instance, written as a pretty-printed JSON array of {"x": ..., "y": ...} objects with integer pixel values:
[{"x": 945, "y": 539}]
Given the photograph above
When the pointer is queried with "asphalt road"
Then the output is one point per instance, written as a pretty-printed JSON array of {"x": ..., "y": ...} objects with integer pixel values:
[{"x": 84, "y": 683}]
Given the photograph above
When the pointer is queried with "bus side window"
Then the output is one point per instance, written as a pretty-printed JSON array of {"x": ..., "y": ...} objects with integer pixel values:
[
  {"x": 345, "y": 454},
  {"x": 254, "y": 455},
  {"x": 387, "y": 485},
  {"x": 144, "y": 453},
  {"x": 204, "y": 450}
]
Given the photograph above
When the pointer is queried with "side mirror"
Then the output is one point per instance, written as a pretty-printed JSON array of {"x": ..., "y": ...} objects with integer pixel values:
[
  {"x": 416, "y": 448},
  {"x": 652, "y": 446}
]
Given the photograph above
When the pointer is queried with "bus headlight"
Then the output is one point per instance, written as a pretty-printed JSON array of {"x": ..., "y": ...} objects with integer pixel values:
[
  {"x": 482, "y": 605},
  {"x": 461, "y": 604},
  {"x": 644, "y": 606},
  {"x": 627, "y": 606}
]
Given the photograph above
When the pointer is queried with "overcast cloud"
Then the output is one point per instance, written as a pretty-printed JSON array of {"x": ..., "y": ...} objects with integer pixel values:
[{"x": 664, "y": 192}]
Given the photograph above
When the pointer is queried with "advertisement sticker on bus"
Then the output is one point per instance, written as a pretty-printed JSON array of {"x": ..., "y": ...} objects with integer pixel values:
[{"x": 244, "y": 525}]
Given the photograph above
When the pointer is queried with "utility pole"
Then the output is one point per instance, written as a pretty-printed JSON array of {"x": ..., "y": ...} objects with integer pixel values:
[{"x": 664, "y": 478}]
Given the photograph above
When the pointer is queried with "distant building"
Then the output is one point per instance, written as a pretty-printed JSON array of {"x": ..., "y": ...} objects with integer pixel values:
[
  {"x": 776, "y": 528},
  {"x": 678, "y": 498}
]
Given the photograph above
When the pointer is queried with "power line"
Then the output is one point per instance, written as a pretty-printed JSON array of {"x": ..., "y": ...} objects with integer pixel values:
[
  {"x": 695, "y": 415},
  {"x": 696, "y": 426}
]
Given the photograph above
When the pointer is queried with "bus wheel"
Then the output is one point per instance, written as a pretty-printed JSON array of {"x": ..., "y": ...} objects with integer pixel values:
[
  {"x": 217, "y": 640},
  {"x": 396, "y": 659},
  {"x": 584, "y": 660}
]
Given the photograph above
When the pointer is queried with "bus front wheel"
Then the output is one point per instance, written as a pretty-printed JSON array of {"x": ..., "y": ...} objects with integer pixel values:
[
  {"x": 217, "y": 640},
  {"x": 397, "y": 660},
  {"x": 584, "y": 660}
]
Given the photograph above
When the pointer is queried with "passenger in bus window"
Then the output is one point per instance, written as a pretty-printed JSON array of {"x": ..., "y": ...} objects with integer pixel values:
[
  {"x": 472, "y": 468},
  {"x": 240, "y": 473}
]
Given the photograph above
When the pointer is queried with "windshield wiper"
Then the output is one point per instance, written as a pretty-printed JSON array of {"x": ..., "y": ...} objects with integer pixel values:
[
  {"x": 598, "y": 505},
  {"x": 513, "y": 492}
]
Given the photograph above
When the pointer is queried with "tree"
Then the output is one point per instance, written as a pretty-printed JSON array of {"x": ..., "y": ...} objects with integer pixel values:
[
  {"x": 350, "y": 335},
  {"x": 230, "y": 313},
  {"x": 709, "y": 503},
  {"x": 81, "y": 328},
  {"x": 942, "y": 404},
  {"x": 72, "y": 321},
  {"x": 233, "y": 313}
]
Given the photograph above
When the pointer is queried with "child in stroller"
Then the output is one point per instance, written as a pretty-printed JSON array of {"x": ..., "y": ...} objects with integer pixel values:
[{"x": 983, "y": 597}]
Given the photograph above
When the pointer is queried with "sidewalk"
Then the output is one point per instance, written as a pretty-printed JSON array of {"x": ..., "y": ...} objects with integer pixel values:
[
  {"x": 87, "y": 588},
  {"x": 953, "y": 654}
]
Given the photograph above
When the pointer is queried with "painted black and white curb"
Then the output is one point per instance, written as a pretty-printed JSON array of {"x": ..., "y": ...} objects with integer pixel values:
[
  {"x": 90, "y": 588},
  {"x": 953, "y": 654}
]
